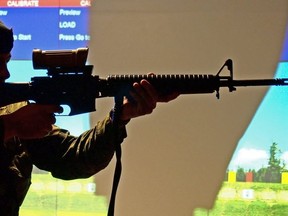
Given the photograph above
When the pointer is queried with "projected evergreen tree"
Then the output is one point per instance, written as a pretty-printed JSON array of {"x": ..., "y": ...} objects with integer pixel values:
[{"x": 274, "y": 169}]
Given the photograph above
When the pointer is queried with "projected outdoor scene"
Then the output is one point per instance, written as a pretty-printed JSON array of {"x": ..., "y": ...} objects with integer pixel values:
[{"x": 256, "y": 181}]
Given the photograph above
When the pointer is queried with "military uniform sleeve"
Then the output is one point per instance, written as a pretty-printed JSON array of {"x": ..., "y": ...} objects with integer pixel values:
[
  {"x": 2, "y": 152},
  {"x": 70, "y": 157},
  {"x": 1, "y": 131}
]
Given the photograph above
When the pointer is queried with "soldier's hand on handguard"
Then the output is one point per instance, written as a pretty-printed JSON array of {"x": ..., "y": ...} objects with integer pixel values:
[
  {"x": 145, "y": 100},
  {"x": 31, "y": 121}
]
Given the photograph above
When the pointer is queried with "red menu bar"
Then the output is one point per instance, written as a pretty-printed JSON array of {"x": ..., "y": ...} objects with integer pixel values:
[{"x": 45, "y": 3}]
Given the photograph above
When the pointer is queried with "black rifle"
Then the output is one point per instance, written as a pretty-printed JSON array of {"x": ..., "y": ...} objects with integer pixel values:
[{"x": 78, "y": 88}]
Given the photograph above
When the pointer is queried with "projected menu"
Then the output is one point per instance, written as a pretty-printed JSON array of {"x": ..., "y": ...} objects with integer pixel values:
[{"x": 46, "y": 24}]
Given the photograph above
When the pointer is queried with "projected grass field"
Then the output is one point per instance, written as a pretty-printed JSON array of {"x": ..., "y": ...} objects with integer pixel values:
[
  {"x": 250, "y": 199},
  {"x": 49, "y": 196}
]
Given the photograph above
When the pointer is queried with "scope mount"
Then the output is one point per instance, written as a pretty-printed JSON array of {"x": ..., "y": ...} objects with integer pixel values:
[{"x": 82, "y": 70}]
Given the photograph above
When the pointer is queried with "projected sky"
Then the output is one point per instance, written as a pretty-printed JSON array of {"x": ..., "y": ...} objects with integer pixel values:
[{"x": 269, "y": 124}]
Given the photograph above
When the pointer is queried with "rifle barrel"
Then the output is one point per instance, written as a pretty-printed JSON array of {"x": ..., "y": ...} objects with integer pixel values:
[{"x": 254, "y": 82}]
